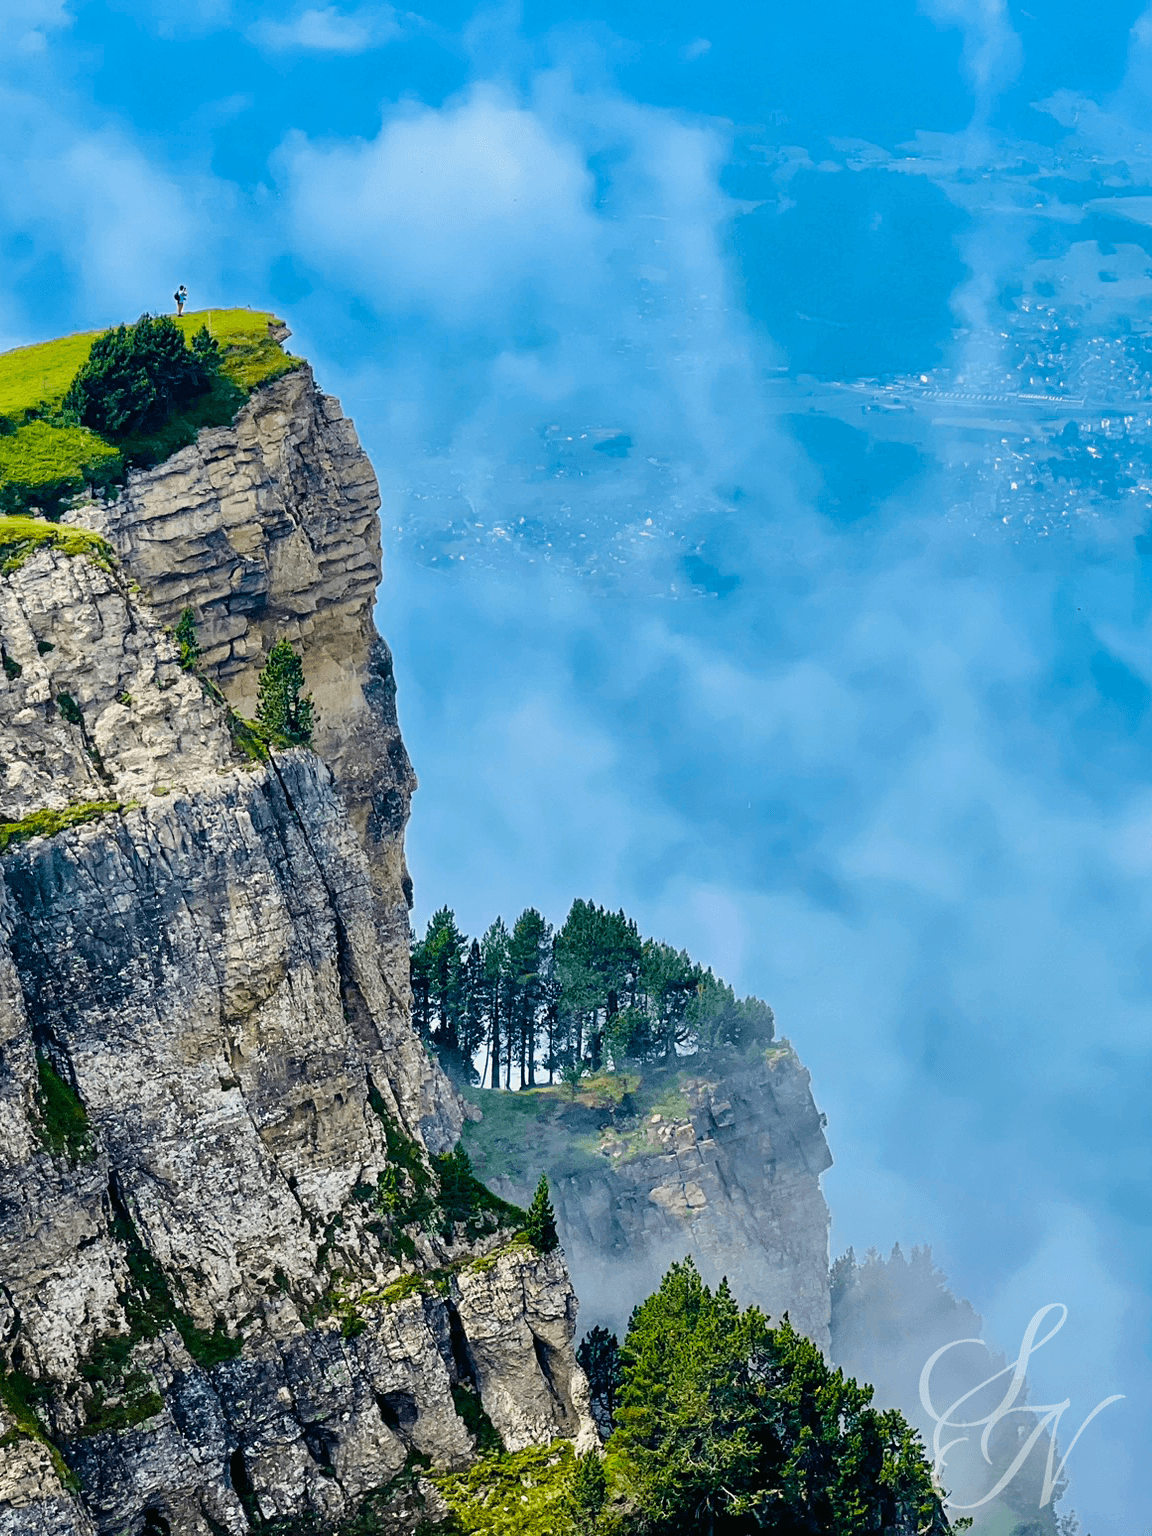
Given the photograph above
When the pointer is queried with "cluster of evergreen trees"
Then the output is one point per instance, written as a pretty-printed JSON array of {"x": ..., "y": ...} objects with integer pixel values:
[{"x": 591, "y": 995}]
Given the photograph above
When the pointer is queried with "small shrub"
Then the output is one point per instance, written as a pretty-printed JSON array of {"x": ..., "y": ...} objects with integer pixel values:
[
  {"x": 463, "y": 1198},
  {"x": 136, "y": 376},
  {"x": 587, "y": 1492}
]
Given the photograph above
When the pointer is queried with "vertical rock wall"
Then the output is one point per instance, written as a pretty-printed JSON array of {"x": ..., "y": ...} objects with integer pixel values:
[{"x": 206, "y": 1065}]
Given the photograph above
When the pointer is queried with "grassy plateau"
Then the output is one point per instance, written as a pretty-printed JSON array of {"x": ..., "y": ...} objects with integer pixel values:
[{"x": 43, "y": 454}]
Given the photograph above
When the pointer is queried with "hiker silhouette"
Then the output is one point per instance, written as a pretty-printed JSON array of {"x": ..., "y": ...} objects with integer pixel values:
[{"x": 181, "y": 297}]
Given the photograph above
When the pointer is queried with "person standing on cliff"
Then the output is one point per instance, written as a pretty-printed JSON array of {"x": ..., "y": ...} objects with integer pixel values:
[{"x": 181, "y": 297}]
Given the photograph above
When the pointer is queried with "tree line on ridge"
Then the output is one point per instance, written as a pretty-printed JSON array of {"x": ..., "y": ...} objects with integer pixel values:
[{"x": 526, "y": 1004}]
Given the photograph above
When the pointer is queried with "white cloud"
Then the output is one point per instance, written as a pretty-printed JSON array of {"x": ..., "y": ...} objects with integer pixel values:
[
  {"x": 93, "y": 203},
  {"x": 457, "y": 212},
  {"x": 328, "y": 31},
  {"x": 25, "y": 24},
  {"x": 992, "y": 50}
]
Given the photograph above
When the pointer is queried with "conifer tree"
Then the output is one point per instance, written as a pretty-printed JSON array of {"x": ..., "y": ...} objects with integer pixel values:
[
  {"x": 541, "y": 1223},
  {"x": 285, "y": 714}
]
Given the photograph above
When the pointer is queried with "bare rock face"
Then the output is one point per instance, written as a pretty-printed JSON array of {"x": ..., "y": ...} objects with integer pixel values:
[
  {"x": 211, "y": 1099},
  {"x": 270, "y": 527},
  {"x": 730, "y": 1174}
]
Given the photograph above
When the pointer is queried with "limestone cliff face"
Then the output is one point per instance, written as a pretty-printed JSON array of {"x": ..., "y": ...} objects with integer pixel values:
[
  {"x": 724, "y": 1165},
  {"x": 210, "y": 1096},
  {"x": 270, "y": 527}
]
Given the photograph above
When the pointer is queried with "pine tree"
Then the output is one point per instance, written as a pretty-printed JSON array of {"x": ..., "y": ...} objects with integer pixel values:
[
  {"x": 137, "y": 375},
  {"x": 541, "y": 1223},
  {"x": 727, "y": 1425},
  {"x": 587, "y": 1493},
  {"x": 287, "y": 717},
  {"x": 494, "y": 953}
]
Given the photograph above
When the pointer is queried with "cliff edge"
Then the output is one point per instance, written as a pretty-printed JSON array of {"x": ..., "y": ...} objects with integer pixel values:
[
  {"x": 721, "y": 1160},
  {"x": 241, "y": 1276}
]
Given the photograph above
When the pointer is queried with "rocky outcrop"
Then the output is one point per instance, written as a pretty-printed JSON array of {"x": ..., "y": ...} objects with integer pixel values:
[
  {"x": 228, "y": 1293},
  {"x": 722, "y": 1164},
  {"x": 270, "y": 527}
]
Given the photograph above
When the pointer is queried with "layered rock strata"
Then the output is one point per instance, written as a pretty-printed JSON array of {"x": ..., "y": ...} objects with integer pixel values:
[
  {"x": 211, "y": 1101},
  {"x": 271, "y": 527}
]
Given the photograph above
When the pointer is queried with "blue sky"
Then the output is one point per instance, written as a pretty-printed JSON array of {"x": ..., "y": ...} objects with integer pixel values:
[{"x": 669, "y": 633}]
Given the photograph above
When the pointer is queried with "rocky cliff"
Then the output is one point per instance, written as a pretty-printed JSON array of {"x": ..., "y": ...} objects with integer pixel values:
[
  {"x": 233, "y": 1288},
  {"x": 723, "y": 1163}
]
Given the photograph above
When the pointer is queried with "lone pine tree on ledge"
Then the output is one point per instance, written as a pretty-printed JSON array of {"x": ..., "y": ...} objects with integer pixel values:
[
  {"x": 541, "y": 1223},
  {"x": 282, "y": 712}
]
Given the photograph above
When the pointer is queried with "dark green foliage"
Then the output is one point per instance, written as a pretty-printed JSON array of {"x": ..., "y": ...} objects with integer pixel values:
[
  {"x": 597, "y": 956},
  {"x": 431, "y": 1194},
  {"x": 541, "y": 1221},
  {"x": 283, "y": 711},
  {"x": 247, "y": 738},
  {"x": 476, "y": 1421},
  {"x": 12, "y": 669},
  {"x": 439, "y": 967},
  {"x": 69, "y": 709},
  {"x": 462, "y": 1198},
  {"x": 185, "y": 636},
  {"x": 730, "y": 1426},
  {"x": 24, "y": 1398},
  {"x": 599, "y": 1358},
  {"x": 62, "y": 1121},
  {"x": 595, "y": 996},
  {"x": 137, "y": 375},
  {"x": 587, "y": 1493}
]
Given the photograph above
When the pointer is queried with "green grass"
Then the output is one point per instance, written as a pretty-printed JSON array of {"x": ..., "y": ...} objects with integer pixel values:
[
  {"x": 54, "y": 456},
  {"x": 22, "y": 536},
  {"x": 37, "y": 377},
  {"x": 48, "y": 823},
  {"x": 38, "y": 455}
]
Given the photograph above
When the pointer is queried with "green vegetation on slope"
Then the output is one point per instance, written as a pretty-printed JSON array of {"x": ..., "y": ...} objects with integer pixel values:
[
  {"x": 47, "y": 456},
  {"x": 61, "y": 1120},
  {"x": 48, "y": 823},
  {"x": 45, "y": 464},
  {"x": 725, "y": 1426},
  {"x": 22, "y": 536},
  {"x": 35, "y": 379}
]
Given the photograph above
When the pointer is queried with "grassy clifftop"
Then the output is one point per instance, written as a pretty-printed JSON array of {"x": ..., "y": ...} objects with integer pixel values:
[
  {"x": 45, "y": 457},
  {"x": 34, "y": 380}
]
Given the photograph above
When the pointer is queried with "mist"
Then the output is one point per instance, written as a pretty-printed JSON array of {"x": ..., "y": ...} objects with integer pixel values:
[{"x": 810, "y": 690}]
